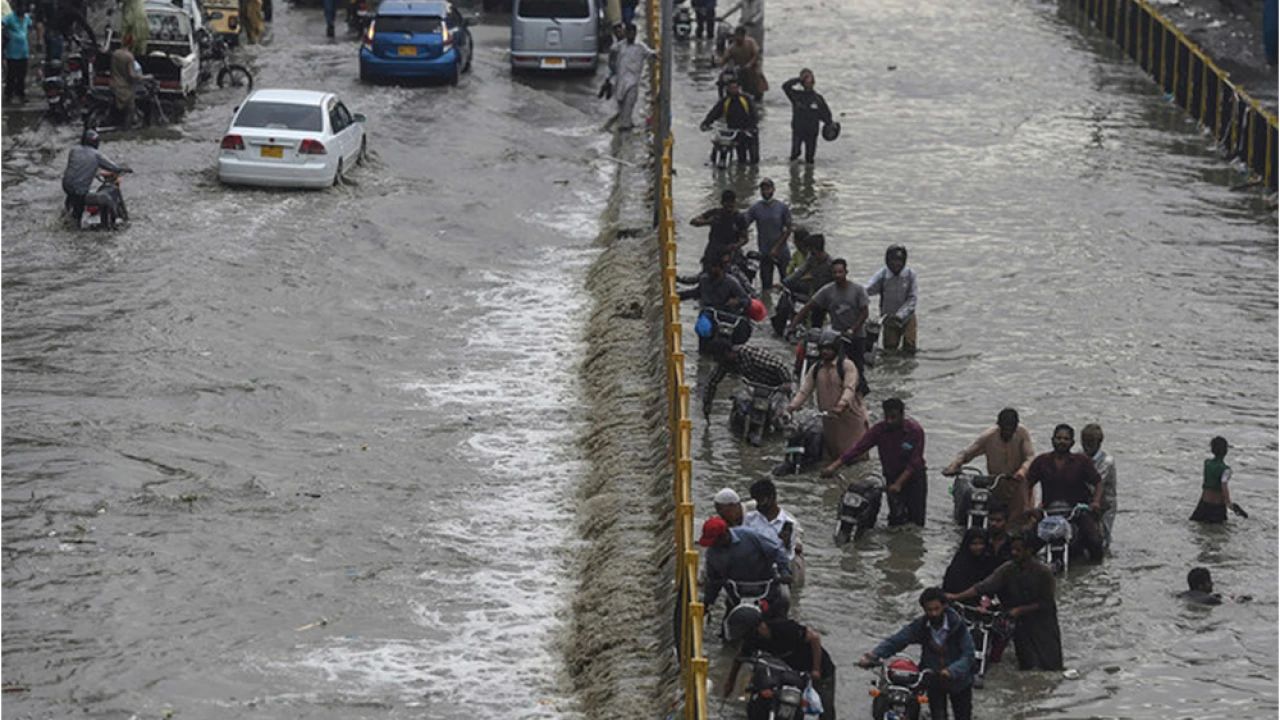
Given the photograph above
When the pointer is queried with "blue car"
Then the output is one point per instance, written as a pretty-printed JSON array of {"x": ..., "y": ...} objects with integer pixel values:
[{"x": 410, "y": 39}]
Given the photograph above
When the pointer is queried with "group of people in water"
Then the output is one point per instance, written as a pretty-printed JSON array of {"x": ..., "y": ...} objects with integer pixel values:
[{"x": 996, "y": 565}]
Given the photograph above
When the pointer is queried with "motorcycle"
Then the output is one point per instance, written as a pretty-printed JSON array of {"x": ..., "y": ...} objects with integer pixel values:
[
  {"x": 214, "y": 53},
  {"x": 804, "y": 445},
  {"x": 104, "y": 208},
  {"x": 859, "y": 507},
  {"x": 1059, "y": 530},
  {"x": 749, "y": 602},
  {"x": 755, "y": 410},
  {"x": 987, "y": 623},
  {"x": 736, "y": 328},
  {"x": 971, "y": 493},
  {"x": 724, "y": 143},
  {"x": 788, "y": 304},
  {"x": 807, "y": 352},
  {"x": 899, "y": 690},
  {"x": 64, "y": 87},
  {"x": 776, "y": 691},
  {"x": 360, "y": 13},
  {"x": 873, "y": 327},
  {"x": 682, "y": 21},
  {"x": 101, "y": 113}
]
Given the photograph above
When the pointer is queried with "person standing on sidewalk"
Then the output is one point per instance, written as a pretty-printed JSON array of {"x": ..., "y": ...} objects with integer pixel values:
[
  {"x": 773, "y": 228},
  {"x": 632, "y": 55},
  {"x": 17, "y": 25}
]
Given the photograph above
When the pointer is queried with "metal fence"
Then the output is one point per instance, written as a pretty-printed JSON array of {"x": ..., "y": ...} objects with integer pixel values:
[
  {"x": 689, "y": 611},
  {"x": 1239, "y": 123}
]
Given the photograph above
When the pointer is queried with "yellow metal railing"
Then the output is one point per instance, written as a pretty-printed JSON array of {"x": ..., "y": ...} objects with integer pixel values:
[
  {"x": 693, "y": 663},
  {"x": 1191, "y": 79}
]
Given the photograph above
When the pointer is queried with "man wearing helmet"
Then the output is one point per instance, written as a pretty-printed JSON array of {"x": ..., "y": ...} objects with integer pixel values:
[
  {"x": 82, "y": 165},
  {"x": 835, "y": 379},
  {"x": 896, "y": 285}
]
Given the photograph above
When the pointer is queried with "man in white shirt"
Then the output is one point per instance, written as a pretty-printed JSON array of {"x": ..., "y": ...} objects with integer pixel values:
[
  {"x": 770, "y": 518},
  {"x": 632, "y": 55}
]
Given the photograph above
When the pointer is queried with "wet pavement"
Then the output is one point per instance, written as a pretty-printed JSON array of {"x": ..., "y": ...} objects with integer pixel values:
[
  {"x": 1081, "y": 257},
  {"x": 304, "y": 454}
]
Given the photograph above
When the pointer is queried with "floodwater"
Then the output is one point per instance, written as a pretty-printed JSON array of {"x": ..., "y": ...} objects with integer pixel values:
[
  {"x": 1082, "y": 258},
  {"x": 254, "y": 411}
]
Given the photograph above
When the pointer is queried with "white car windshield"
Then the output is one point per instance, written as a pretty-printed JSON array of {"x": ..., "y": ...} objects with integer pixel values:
[{"x": 280, "y": 115}]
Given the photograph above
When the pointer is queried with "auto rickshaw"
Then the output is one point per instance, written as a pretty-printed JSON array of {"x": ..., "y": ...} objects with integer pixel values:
[{"x": 224, "y": 19}]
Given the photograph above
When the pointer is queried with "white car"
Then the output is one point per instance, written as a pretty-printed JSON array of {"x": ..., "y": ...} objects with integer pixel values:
[{"x": 291, "y": 138}]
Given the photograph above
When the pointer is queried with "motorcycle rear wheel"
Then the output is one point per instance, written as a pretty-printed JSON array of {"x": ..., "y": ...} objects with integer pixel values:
[{"x": 235, "y": 76}]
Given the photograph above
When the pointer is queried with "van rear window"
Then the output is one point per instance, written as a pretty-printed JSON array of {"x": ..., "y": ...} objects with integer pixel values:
[
  {"x": 280, "y": 115},
  {"x": 412, "y": 24},
  {"x": 554, "y": 9}
]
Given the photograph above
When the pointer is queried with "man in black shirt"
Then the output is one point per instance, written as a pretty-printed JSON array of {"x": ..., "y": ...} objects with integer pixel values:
[
  {"x": 728, "y": 228},
  {"x": 739, "y": 113},
  {"x": 797, "y": 646},
  {"x": 808, "y": 111}
]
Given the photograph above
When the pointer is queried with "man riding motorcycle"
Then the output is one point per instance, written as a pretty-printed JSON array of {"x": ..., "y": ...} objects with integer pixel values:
[
  {"x": 82, "y": 166},
  {"x": 739, "y": 113}
]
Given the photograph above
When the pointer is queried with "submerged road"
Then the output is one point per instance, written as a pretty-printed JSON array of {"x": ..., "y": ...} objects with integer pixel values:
[
  {"x": 252, "y": 410},
  {"x": 1081, "y": 258},
  {"x": 315, "y": 454}
]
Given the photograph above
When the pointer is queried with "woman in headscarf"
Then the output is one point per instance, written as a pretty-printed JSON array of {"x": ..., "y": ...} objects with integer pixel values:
[{"x": 968, "y": 567}]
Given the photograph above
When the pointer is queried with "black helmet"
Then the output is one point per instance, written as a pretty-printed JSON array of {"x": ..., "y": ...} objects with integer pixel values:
[
  {"x": 828, "y": 339},
  {"x": 830, "y": 131},
  {"x": 90, "y": 138},
  {"x": 895, "y": 252}
]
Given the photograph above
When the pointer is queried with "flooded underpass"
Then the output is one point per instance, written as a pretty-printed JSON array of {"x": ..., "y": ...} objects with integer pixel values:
[{"x": 1081, "y": 257}]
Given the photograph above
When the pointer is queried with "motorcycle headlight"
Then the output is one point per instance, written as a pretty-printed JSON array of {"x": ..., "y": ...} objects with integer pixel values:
[
  {"x": 852, "y": 500},
  {"x": 981, "y": 495},
  {"x": 790, "y": 696}
]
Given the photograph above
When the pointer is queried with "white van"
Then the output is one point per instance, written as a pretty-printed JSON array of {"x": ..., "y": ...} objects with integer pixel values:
[{"x": 555, "y": 34}]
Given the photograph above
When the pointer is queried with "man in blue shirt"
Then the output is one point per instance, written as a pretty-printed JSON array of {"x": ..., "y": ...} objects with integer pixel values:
[
  {"x": 741, "y": 555},
  {"x": 946, "y": 648}
]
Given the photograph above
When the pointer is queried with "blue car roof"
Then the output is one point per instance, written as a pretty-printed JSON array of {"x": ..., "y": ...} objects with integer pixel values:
[{"x": 431, "y": 8}]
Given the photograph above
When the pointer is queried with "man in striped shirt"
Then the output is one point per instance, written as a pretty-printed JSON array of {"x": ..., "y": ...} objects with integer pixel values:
[{"x": 756, "y": 366}]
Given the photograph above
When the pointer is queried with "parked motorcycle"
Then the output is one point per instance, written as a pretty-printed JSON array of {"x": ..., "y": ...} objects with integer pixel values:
[
  {"x": 214, "y": 53},
  {"x": 755, "y": 410},
  {"x": 899, "y": 690},
  {"x": 1059, "y": 531},
  {"x": 804, "y": 445},
  {"x": 859, "y": 507},
  {"x": 971, "y": 495},
  {"x": 776, "y": 691},
  {"x": 104, "y": 208},
  {"x": 987, "y": 625}
]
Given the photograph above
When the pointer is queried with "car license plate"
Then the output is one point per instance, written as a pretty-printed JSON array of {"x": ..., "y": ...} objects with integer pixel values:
[
  {"x": 407, "y": 50},
  {"x": 552, "y": 63},
  {"x": 272, "y": 151}
]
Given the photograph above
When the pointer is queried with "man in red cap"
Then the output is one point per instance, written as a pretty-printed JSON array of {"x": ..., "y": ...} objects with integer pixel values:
[{"x": 742, "y": 555}]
